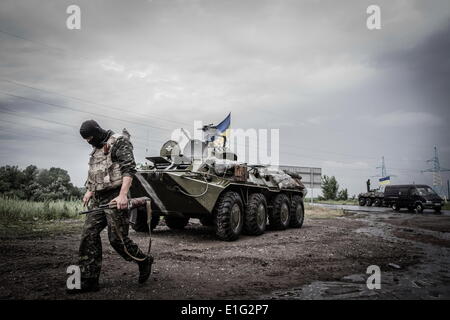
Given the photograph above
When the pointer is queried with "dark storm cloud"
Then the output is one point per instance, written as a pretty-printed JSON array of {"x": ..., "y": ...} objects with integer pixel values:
[
  {"x": 341, "y": 95},
  {"x": 427, "y": 67}
]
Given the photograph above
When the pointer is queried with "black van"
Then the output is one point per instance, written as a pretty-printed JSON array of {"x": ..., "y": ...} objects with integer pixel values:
[{"x": 415, "y": 197}]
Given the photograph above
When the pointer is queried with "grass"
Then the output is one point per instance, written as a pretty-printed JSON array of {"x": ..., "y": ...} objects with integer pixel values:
[
  {"x": 12, "y": 210},
  {"x": 314, "y": 212},
  {"x": 26, "y": 218},
  {"x": 446, "y": 206},
  {"x": 343, "y": 202}
]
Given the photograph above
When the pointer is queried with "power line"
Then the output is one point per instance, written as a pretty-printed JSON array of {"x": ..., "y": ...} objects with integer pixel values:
[
  {"x": 74, "y": 127},
  {"x": 63, "y": 50},
  {"x": 78, "y": 56},
  {"x": 61, "y": 123},
  {"x": 9, "y": 111},
  {"x": 64, "y": 107},
  {"x": 108, "y": 106},
  {"x": 59, "y": 133},
  {"x": 34, "y": 41},
  {"x": 46, "y": 138},
  {"x": 81, "y": 111},
  {"x": 90, "y": 101},
  {"x": 138, "y": 145},
  {"x": 33, "y": 136},
  {"x": 297, "y": 155}
]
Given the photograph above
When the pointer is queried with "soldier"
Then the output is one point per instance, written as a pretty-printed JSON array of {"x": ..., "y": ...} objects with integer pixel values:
[{"x": 111, "y": 170}]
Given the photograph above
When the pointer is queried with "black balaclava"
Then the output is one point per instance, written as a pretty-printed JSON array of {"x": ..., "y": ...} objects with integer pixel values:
[{"x": 91, "y": 128}]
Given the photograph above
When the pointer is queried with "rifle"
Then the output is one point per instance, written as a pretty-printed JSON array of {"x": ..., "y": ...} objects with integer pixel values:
[{"x": 132, "y": 203}]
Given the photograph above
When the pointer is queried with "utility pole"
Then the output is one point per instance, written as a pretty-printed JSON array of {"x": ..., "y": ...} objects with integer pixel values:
[{"x": 436, "y": 171}]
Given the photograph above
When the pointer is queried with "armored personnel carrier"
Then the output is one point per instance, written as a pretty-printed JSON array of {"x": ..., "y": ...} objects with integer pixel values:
[
  {"x": 371, "y": 198},
  {"x": 206, "y": 181}
]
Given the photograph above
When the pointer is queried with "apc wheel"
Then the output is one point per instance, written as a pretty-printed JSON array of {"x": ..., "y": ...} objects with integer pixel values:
[
  {"x": 229, "y": 216},
  {"x": 297, "y": 212},
  {"x": 368, "y": 202},
  {"x": 395, "y": 207},
  {"x": 362, "y": 202},
  {"x": 377, "y": 202},
  {"x": 437, "y": 209},
  {"x": 141, "y": 221},
  {"x": 280, "y": 215},
  {"x": 418, "y": 208},
  {"x": 176, "y": 222},
  {"x": 256, "y": 214}
]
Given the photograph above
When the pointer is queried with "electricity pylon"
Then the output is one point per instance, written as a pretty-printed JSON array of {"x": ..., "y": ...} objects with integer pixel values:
[
  {"x": 436, "y": 171},
  {"x": 383, "y": 170},
  {"x": 384, "y": 173}
]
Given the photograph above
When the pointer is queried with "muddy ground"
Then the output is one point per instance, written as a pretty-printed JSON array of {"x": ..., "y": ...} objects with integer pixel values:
[{"x": 326, "y": 259}]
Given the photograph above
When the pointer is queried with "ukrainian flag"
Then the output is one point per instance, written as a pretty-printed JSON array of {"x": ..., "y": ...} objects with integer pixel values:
[
  {"x": 222, "y": 129},
  {"x": 385, "y": 180},
  {"x": 224, "y": 125}
]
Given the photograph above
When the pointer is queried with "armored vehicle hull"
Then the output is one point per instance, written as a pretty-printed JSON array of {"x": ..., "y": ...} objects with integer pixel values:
[
  {"x": 204, "y": 180},
  {"x": 247, "y": 200},
  {"x": 372, "y": 198}
]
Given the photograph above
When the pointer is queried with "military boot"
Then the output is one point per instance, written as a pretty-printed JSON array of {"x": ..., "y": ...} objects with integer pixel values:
[
  {"x": 87, "y": 285},
  {"x": 145, "y": 269}
]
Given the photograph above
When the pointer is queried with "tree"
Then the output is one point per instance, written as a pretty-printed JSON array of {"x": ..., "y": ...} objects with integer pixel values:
[
  {"x": 343, "y": 194},
  {"x": 330, "y": 187},
  {"x": 37, "y": 184},
  {"x": 11, "y": 180}
]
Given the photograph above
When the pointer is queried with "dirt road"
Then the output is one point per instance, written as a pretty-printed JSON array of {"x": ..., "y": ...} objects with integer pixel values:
[{"x": 327, "y": 258}]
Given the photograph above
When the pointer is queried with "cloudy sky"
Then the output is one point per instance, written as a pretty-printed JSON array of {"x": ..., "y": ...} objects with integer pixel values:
[{"x": 341, "y": 95}]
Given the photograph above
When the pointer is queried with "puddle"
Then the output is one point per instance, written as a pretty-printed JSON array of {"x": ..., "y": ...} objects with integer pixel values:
[{"x": 429, "y": 279}]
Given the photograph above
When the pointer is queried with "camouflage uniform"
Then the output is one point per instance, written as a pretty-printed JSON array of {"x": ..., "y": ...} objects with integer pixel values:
[{"x": 90, "y": 252}]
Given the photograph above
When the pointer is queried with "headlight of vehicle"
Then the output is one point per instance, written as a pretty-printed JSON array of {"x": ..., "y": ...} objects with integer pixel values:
[{"x": 428, "y": 201}]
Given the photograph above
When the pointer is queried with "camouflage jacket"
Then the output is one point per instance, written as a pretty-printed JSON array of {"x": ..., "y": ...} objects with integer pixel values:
[
  {"x": 122, "y": 153},
  {"x": 108, "y": 165}
]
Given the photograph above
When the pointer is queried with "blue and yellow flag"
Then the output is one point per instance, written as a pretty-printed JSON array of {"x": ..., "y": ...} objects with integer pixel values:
[
  {"x": 224, "y": 125},
  {"x": 222, "y": 129},
  {"x": 385, "y": 180}
]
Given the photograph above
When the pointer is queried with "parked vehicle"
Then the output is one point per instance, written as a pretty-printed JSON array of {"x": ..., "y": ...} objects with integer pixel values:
[
  {"x": 414, "y": 197},
  {"x": 371, "y": 198},
  {"x": 207, "y": 182}
]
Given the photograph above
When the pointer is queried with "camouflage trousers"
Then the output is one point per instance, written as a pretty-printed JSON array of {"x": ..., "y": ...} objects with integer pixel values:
[{"x": 117, "y": 221}]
